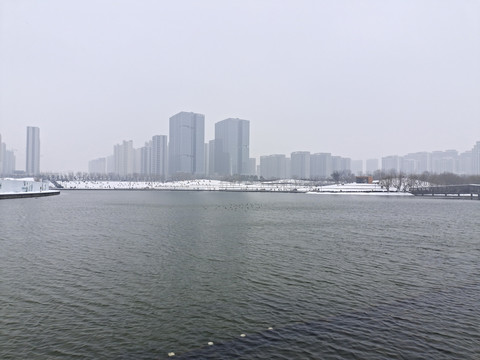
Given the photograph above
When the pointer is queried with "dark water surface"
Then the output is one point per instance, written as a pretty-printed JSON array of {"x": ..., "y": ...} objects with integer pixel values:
[{"x": 139, "y": 274}]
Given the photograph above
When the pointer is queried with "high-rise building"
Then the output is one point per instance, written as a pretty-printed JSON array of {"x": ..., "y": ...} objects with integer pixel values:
[
  {"x": 232, "y": 147},
  {"x": 300, "y": 164},
  {"x": 186, "y": 144},
  {"x": 273, "y": 166},
  {"x": 33, "y": 151},
  {"x": 8, "y": 162},
  {"x": 320, "y": 165},
  {"x": 336, "y": 163},
  {"x": 416, "y": 163},
  {"x": 97, "y": 166},
  {"x": 137, "y": 161},
  {"x": 211, "y": 158},
  {"x": 159, "y": 156},
  {"x": 444, "y": 161},
  {"x": 124, "y": 158},
  {"x": 252, "y": 166},
  {"x": 465, "y": 163},
  {"x": 476, "y": 159},
  {"x": 391, "y": 163},
  {"x": 345, "y": 164},
  {"x": 146, "y": 158},
  {"x": 111, "y": 164}
]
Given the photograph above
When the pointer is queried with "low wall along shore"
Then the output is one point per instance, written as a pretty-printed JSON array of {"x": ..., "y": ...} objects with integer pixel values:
[{"x": 18, "y": 188}]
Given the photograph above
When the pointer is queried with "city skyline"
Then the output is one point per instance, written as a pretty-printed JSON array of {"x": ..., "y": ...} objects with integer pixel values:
[
  {"x": 358, "y": 79},
  {"x": 154, "y": 159}
]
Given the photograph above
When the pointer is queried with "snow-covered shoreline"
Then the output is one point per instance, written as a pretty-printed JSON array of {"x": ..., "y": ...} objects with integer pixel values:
[{"x": 217, "y": 185}]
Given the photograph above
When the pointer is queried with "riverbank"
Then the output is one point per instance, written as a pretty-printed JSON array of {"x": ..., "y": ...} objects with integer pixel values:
[{"x": 285, "y": 186}]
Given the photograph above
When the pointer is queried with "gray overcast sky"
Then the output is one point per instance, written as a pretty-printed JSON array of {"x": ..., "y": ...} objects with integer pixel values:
[{"x": 362, "y": 79}]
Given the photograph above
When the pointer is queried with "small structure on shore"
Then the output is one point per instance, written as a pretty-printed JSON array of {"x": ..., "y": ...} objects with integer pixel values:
[
  {"x": 364, "y": 179},
  {"x": 28, "y": 187}
]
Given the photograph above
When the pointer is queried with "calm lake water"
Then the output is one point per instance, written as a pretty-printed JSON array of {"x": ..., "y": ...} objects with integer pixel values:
[{"x": 139, "y": 274}]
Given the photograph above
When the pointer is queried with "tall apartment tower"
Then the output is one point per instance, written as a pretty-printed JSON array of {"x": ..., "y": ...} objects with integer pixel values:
[
  {"x": 232, "y": 147},
  {"x": 123, "y": 155},
  {"x": 300, "y": 164},
  {"x": 475, "y": 169},
  {"x": 159, "y": 156},
  {"x": 33, "y": 151},
  {"x": 372, "y": 166},
  {"x": 273, "y": 166},
  {"x": 320, "y": 165},
  {"x": 186, "y": 144}
]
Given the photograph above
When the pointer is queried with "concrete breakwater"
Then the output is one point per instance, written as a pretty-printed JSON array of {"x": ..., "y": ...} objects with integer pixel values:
[{"x": 24, "y": 188}]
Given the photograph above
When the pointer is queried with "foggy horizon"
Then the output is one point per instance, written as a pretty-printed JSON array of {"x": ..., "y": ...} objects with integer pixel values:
[{"x": 358, "y": 80}]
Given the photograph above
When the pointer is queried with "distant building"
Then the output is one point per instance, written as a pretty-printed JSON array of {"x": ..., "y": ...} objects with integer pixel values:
[
  {"x": 320, "y": 165},
  {"x": 336, "y": 163},
  {"x": 416, "y": 163},
  {"x": 465, "y": 161},
  {"x": 32, "y": 167},
  {"x": 211, "y": 158},
  {"x": 341, "y": 164},
  {"x": 273, "y": 166},
  {"x": 137, "y": 161},
  {"x": 159, "y": 156},
  {"x": 186, "y": 144},
  {"x": 97, "y": 166},
  {"x": 476, "y": 159},
  {"x": 300, "y": 164},
  {"x": 124, "y": 158},
  {"x": 252, "y": 166},
  {"x": 111, "y": 164},
  {"x": 391, "y": 163},
  {"x": 444, "y": 161},
  {"x": 206, "y": 158},
  {"x": 371, "y": 166},
  {"x": 357, "y": 167},
  {"x": 146, "y": 158},
  {"x": 232, "y": 147},
  {"x": 408, "y": 165},
  {"x": 7, "y": 160}
]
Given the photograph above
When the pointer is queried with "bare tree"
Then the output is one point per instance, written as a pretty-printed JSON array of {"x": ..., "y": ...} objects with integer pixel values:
[
  {"x": 386, "y": 180},
  {"x": 336, "y": 176}
]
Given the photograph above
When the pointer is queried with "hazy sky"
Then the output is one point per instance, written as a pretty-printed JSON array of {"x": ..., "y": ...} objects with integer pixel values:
[{"x": 362, "y": 79}]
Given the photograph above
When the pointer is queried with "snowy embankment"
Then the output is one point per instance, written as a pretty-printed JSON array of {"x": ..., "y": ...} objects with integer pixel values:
[
  {"x": 198, "y": 185},
  {"x": 357, "y": 189},
  {"x": 216, "y": 185}
]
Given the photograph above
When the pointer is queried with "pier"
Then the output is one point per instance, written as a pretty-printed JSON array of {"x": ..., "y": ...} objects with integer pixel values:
[{"x": 471, "y": 191}]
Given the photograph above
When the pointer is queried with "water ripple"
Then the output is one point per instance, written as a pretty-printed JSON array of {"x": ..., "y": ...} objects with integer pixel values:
[{"x": 140, "y": 274}]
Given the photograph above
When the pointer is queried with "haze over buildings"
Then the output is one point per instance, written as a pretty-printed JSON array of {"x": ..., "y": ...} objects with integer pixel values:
[
  {"x": 361, "y": 80},
  {"x": 228, "y": 155}
]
